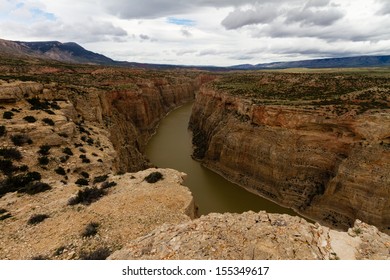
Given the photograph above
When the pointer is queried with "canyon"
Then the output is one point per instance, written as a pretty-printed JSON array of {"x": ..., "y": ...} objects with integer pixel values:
[{"x": 83, "y": 129}]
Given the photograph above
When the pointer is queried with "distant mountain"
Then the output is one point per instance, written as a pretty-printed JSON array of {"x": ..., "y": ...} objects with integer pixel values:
[
  {"x": 64, "y": 52},
  {"x": 74, "y": 53},
  {"x": 343, "y": 62}
]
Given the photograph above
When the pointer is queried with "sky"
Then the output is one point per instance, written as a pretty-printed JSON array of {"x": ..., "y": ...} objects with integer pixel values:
[{"x": 205, "y": 32}]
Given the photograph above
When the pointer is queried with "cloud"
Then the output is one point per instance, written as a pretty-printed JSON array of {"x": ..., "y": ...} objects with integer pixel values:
[
  {"x": 186, "y": 33},
  {"x": 239, "y": 18},
  {"x": 308, "y": 16},
  {"x": 385, "y": 7}
]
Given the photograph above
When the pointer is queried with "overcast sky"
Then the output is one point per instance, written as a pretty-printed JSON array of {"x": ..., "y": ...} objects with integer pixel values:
[{"x": 205, "y": 32}]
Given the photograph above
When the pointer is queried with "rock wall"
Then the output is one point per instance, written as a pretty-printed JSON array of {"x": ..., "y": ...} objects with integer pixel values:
[{"x": 333, "y": 169}]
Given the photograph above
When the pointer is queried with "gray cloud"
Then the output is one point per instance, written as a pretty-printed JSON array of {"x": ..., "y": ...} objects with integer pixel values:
[
  {"x": 186, "y": 33},
  {"x": 385, "y": 9},
  {"x": 239, "y": 18},
  {"x": 310, "y": 17},
  {"x": 135, "y": 9},
  {"x": 144, "y": 37}
]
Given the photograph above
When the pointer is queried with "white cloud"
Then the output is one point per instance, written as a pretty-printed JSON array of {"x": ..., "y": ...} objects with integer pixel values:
[{"x": 220, "y": 32}]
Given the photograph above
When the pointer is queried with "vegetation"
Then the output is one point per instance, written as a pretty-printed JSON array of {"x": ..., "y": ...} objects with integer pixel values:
[
  {"x": 43, "y": 160},
  {"x": 21, "y": 139},
  {"x": 90, "y": 230},
  {"x": 100, "y": 179},
  {"x": 60, "y": 171},
  {"x": 107, "y": 185},
  {"x": 87, "y": 196},
  {"x": 82, "y": 182},
  {"x": 30, "y": 119},
  {"x": 37, "y": 218},
  {"x": 8, "y": 115},
  {"x": 10, "y": 153},
  {"x": 48, "y": 121},
  {"x": 67, "y": 151},
  {"x": 98, "y": 254},
  {"x": 2, "y": 130},
  {"x": 44, "y": 150},
  {"x": 154, "y": 177}
]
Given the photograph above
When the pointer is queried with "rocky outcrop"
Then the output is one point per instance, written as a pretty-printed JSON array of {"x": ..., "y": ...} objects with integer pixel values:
[
  {"x": 331, "y": 168},
  {"x": 253, "y": 236}
]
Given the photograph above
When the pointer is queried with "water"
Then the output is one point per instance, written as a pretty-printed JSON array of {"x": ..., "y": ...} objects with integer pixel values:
[{"x": 171, "y": 147}]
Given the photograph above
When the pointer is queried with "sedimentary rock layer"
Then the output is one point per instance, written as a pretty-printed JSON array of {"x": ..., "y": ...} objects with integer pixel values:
[{"x": 332, "y": 168}]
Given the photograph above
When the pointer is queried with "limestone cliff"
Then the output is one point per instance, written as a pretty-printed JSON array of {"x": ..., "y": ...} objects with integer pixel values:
[
  {"x": 256, "y": 236},
  {"x": 328, "y": 162}
]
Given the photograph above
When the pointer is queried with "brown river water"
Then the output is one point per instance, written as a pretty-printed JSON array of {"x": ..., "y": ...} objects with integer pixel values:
[{"x": 171, "y": 147}]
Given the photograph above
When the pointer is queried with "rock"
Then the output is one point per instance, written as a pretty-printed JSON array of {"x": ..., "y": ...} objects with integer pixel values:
[{"x": 253, "y": 236}]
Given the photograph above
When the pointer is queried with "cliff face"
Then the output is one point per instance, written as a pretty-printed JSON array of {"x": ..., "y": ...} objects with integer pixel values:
[
  {"x": 331, "y": 168},
  {"x": 256, "y": 236}
]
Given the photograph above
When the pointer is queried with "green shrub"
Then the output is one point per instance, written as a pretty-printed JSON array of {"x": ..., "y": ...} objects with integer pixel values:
[
  {"x": 82, "y": 182},
  {"x": 43, "y": 160},
  {"x": 98, "y": 254},
  {"x": 154, "y": 177},
  {"x": 44, "y": 150},
  {"x": 87, "y": 196},
  {"x": 30, "y": 119},
  {"x": 10, "y": 153},
  {"x": 60, "y": 171},
  {"x": 3, "y": 130},
  {"x": 8, "y": 115},
  {"x": 100, "y": 179},
  {"x": 37, "y": 218},
  {"x": 67, "y": 151},
  {"x": 21, "y": 139},
  {"x": 107, "y": 185},
  {"x": 90, "y": 230},
  {"x": 48, "y": 121},
  {"x": 34, "y": 188}
]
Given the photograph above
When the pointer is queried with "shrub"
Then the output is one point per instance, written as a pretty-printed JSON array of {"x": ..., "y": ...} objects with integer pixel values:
[
  {"x": 10, "y": 153},
  {"x": 44, "y": 150},
  {"x": 7, "y": 167},
  {"x": 8, "y": 115},
  {"x": 40, "y": 258},
  {"x": 37, "y": 218},
  {"x": 107, "y": 185},
  {"x": 87, "y": 196},
  {"x": 98, "y": 254},
  {"x": 82, "y": 182},
  {"x": 23, "y": 168},
  {"x": 82, "y": 150},
  {"x": 64, "y": 159},
  {"x": 154, "y": 177},
  {"x": 100, "y": 179},
  {"x": 50, "y": 112},
  {"x": 67, "y": 151},
  {"x": 4, "y": 214},
  {"x": 18, "y": 183},
  {"x": 85, "y": 174},
  {"x": 30, "y": 119},
  {"x": 34, "y": 188},
  {"x": 90, "y": 230},
  {"x": 21, "y": 139},
  {"x": 59, "y": 251},
  {"x": 2, "y": 130},
  {"x": 48, "y": 121},
  {"x": 43, "y": 160},
  {"x": 60, "y": 171}
]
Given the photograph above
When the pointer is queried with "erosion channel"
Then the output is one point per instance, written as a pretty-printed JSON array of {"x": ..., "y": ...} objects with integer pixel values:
[{"x": 171, "y": 147}]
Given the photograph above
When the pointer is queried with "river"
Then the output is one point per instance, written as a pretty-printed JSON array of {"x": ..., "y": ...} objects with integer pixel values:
[{"x": 171, "y": 147}]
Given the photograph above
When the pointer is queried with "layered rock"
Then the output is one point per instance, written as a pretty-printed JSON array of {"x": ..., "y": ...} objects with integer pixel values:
[
  {"x": 332, "y": 168},
  {"x": 253, "y": 236}
]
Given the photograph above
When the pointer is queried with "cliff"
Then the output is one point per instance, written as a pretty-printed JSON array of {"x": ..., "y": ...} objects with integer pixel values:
[
  {"x": 316, "y": 143},
  {"x": 256, "y": 236}
]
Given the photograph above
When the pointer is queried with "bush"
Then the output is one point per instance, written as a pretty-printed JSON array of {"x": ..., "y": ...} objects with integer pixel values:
[
  {"x": 37, "y": 218},
  {"x": 34, "y": 188},
  {"x": 7, "y": 167},
  {"x": 2, "y": 130},
  {"x": 21, "y": 139},
  {"x": 8, "y": 115},
  {"x": 48, "y": 121},
  {"x": 30, "y": 119},
  {"x": 60, "y": 171},
  {"x": 82, "y": 182},
  {"x": 90, "y": 230},
  {"x": 100, "y": 179},
  {"x": 98, "y": 254},
  {"x": 87, "y": 196},
  {"x": 154, "y": 177},
  {"x": 10, "y": 153},
  {"x": 64, "y": 159},
  {"x": 43, "y": 160},
  {"x": 67, "y": 151},
  {"x": 50, "y": 112},
  {"x": 84, "y": 174},
  {"x": 4, "y": 214},
  {"x": 18, "y": 183},
  {"x": 107, "y": 185},
  {"x": 44, "y": 150}
]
